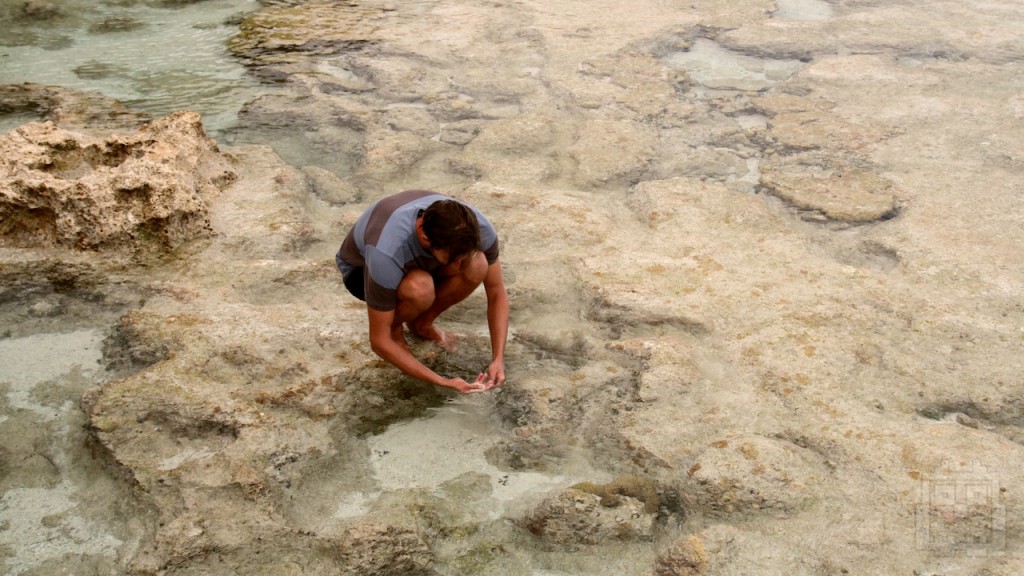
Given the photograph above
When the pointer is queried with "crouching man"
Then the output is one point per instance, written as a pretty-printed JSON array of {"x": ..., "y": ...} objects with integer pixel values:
[{"x": 410, "y": 257}]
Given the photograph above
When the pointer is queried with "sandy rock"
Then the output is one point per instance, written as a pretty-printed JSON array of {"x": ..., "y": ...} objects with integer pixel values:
[
  {"x": 460, "y": 132},
  {"x": 686, "y": 557},
  {"x": 381, "y": 550},
  {"x": 88, "y": 112},
  {"x": 514, "y": 150},
  {"x": 737, "y": 550},
  {"x": 415, "y": 120},
  {"x": 528, "y": 133},
  {"x": 775, "y": 374},
  {"x": 634, "y": 81},
  {"x": 900, "y": 29},
  {"x": 609, "y": 152},
  {"x": 573, "y": 517},
  {"x": 149, "y": 190},
  {"x": 714, "y": 164},
  {"x": 831, "y": 188},
  {"x": 773, "y": 103},
  {"x": 634, "y": 283},
  {"x": 755, "y": 473},
  {"x": 816, "y": 129},
  {"x": 328, "y": 187},
  {"x": 391, "y": 155}
]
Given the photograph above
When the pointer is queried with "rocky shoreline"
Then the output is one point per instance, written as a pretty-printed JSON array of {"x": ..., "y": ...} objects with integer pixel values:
[{"x": 774, "y": 304}]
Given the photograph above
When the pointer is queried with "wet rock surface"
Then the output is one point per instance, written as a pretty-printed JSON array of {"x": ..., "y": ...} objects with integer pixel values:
[
  {"x": 770, "y": 265},
  {"x": 577, "y": 517},
  {"x": 75, "y": 110}
]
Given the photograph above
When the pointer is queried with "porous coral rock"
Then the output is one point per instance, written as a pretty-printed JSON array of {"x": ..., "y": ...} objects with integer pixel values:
[
  {"x": 684, "y": 558},
  {"x": 145, "y": 190},
  {"x": 576, "y": 516}
]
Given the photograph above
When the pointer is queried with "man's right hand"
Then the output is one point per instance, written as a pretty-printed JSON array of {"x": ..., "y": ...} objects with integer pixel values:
[{"x": 478, "y": 385}]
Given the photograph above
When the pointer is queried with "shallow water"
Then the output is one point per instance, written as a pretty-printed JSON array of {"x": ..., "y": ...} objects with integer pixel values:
[
  {"x": 716, "y": 68},
  {"x": 803, "y": 10},
  {"x": 154, "y": 59},
  {"x": 57, "y": 501},
  {"x": 451, "y": 441}
]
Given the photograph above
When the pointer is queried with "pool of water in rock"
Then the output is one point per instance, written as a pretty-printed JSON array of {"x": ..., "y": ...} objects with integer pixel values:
[
  {"x": 57, "y": 502},
  {"x": 716, "y": 68},
  {"x": 157, "y": 57},
  {"x": 803, "y": 10}
]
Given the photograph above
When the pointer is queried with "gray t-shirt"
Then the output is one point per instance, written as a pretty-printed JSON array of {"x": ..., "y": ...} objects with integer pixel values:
[{"x": 384, "y": 243}]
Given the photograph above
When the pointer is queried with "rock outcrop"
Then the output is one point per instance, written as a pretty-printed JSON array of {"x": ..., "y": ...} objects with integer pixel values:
[
  {"x": 89, "y": 112},
  {"x": 143, "y": 191}
]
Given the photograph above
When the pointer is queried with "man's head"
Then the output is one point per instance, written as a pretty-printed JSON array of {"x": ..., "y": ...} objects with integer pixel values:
[{"x": 451, "y": 226}]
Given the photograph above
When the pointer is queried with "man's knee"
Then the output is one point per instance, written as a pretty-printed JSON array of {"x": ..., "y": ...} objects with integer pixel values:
[
  {"x": 475, "y": 269},
  {"x": 417, "y": 288}
]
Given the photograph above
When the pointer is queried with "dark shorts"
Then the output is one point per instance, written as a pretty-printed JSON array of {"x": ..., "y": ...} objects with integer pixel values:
[{"x": 355, "y": 282}]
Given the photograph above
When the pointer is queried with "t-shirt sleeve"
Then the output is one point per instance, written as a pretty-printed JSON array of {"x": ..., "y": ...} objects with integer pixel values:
[
  {"x": 488, "y": 239},
  {"x": 383, "y": 275}
]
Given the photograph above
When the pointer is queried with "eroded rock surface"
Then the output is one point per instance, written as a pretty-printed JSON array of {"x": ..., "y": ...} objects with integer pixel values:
[
  {"x": 146, "y": 190},
  {"x": 787, "y": 295},
  {"x": 74, "y": 110}
]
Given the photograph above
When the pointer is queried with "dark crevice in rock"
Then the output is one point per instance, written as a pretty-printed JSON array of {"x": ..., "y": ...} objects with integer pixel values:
[
  {"x": 52, "y": 296},
  {"x": 1005, "y": 418},
  {"x": 573, "y": 351},
  {"x": 618, "y": 319},
  {"x": 128, "y": 349},
  {"x": 191, "y": 426},
  {"x": 1009, "y": 413},
  {"x": 371, "y": 405}
]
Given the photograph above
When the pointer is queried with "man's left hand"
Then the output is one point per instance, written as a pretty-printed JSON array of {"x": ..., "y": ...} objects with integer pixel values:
[{"x": 495, "y": 375}]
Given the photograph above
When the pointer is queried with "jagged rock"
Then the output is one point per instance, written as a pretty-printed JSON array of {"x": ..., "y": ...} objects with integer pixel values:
[
  {"x": 369, "y": 549},
  {"x": 684, "y": 558},
  {"x": 89, "y": 112},
  {"x": 142, "y": 191},
  {"x": 632, "y": 486},
  {"x": 574, "y": 516}
]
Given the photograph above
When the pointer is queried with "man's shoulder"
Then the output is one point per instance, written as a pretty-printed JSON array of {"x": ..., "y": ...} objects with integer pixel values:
[{"x": 414, "y": 196}]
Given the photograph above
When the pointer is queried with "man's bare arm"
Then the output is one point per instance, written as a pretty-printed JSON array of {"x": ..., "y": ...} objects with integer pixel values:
[
  {"x": 387, "y": 348},
  {"x": 497, "y": 322}
]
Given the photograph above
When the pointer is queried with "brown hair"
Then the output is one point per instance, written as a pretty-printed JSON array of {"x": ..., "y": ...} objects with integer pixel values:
[{"x": 451, "y": 225}]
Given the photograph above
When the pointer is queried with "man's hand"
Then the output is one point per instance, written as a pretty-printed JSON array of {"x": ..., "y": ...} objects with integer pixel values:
[
  {"x": 495, "y": 375},
  {"x": 478, "y": 385}
]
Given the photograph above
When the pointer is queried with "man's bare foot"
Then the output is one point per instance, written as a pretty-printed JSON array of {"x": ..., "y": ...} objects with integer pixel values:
[{"x": 446, "y": 340}]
